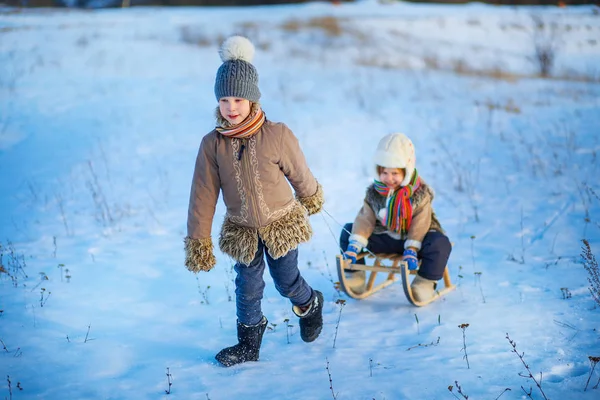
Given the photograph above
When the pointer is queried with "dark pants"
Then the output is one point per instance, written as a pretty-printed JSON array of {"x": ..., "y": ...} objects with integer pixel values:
[
  {"x": 249, "y": 283},
  {"x": 434, "y": 253}
]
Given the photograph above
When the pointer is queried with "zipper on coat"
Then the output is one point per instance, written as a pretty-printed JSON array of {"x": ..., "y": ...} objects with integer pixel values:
[
  {"x": 241, "y": 151},
  {"x": 246, "y": 163}
]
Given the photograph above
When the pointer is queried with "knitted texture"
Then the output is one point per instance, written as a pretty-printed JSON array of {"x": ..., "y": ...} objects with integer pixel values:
[
  {"x": 237, "y": 77},
  {"x": 399, "y": 204},
  {"x": 396, "y": 150},
  {"x": 410, "y": 256},
  {"x": 246, "y": 128},
  {"x": 424, "y": 194},
  {"x": 223, "y": 123}
]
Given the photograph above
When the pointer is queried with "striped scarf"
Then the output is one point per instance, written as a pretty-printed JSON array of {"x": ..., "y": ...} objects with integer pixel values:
[
  {"x": 246, "y": 128},
  {"x": 399, "y": 205}
]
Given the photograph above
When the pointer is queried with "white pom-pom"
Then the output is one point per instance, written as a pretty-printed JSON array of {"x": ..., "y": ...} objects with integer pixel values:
[{"x": 237, "y": 48}]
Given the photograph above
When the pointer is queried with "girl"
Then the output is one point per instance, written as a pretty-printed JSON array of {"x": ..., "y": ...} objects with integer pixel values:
[{"x": 251, "y": 160}]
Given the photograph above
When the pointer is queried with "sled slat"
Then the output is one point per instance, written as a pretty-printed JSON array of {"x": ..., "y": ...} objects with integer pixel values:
[
  {"x": 391, "y": 270},
  {"x": 345, "y": 264},
  {"x": 398, "y": 266}
]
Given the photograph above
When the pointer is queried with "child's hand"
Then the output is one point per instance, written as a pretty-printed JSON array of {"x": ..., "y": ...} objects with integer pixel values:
[
  {"x": 352, "y": 250},
  {"x": 410, "y": 256},
  {"x": 350, "y": 255}
]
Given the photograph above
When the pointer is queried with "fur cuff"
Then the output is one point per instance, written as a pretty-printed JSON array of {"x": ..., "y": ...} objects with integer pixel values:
[
  {"x": 239, "y": 242},
  {"x": 360, "y": 239},
  {"x": 313, "y": 203},
  {"x": 412, "y": 243},
  {"x": 199, "y": 254}
]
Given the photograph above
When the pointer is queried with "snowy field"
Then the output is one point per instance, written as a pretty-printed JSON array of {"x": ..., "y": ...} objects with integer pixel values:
[{"x": 101, "y": 116}]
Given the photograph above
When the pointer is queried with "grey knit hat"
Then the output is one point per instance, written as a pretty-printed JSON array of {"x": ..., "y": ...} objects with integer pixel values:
[{"x": 237, "y": 77}]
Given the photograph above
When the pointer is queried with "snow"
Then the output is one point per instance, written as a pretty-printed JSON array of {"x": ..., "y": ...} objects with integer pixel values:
[{"x": 101, "y": 115}]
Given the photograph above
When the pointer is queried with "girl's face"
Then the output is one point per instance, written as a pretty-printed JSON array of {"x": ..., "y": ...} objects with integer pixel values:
[
  {"x": 392, "y": 177},
  {"x": 234, "y": 109}
]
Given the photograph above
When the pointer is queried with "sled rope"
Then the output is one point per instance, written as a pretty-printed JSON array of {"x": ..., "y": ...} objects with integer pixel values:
[
  {"x": 344, "y": 229},
  {"x": 329, "y": 227}
]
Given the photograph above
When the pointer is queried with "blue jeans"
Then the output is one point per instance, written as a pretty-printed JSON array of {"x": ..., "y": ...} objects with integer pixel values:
[
  {"x": 249, "y": 283},
  {"x": 434, "y": 253}
]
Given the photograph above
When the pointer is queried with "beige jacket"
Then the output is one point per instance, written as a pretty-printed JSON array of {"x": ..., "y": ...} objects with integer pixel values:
[
  {"x": 256, "y": 177},
  {"x": 368, "y": 220}
]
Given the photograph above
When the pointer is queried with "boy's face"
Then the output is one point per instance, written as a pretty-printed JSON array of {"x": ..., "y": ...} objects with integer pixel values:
[
  {"x": 392, "y": 177},
  {"x": 234, "y": 109}
]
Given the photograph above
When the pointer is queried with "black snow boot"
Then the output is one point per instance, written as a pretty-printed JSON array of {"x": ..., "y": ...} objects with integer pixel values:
[
  {"x": 248, "y": 347},
  {"x": 311, "y": 318}
]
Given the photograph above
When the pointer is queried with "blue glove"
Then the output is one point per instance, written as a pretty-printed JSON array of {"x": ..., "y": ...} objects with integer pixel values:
[
  {"x": 351, "y": 252},
  {"x": 410, "y": 256}
]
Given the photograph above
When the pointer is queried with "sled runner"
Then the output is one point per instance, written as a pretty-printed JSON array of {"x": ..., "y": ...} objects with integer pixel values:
[{"x": 398, "y": 267}]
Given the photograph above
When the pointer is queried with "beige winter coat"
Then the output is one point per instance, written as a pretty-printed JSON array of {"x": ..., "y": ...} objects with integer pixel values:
[
  {"x": 254, "y": 176},
  {"x": 368, "y": 222}
]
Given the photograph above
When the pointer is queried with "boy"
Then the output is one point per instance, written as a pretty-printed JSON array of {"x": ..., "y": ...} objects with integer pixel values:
[{"x": 397, "y": 217}]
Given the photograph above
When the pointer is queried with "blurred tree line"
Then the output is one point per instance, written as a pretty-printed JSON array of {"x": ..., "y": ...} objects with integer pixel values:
[{"x": 120, "y": 3}]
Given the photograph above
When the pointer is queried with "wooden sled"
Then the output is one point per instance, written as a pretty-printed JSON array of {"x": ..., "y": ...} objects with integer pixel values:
[{"x": 398, "y": 267}]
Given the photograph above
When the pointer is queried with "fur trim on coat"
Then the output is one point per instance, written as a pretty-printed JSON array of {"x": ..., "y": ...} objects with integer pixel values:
[
  {"x": 286, "y": 233},
  {"x": 280, "y": 236},
  {"x": 314, "y": 203},
  {"x": 199, "y": 254},
  {"x": 239, "y": 242}
]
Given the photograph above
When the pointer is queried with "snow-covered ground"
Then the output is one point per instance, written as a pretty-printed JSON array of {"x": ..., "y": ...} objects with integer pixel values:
[{"x": 101, "y": 115}]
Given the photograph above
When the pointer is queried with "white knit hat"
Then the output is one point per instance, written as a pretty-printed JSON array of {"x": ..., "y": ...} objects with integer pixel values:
[{"x": 396, "y": 151}]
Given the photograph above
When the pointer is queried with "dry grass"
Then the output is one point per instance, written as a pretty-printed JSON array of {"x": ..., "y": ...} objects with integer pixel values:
[
  {"x": 431, "y": 61},
  {"x": 591, "y": 266},
  {"x": 5, "y": 29},
  {"x": 188, "y": 35},
  {"x": 334, "y": 28},
  {"x": 509, "y": 107},
  {"x": 330, "y": 25},
  {"x": 378, "y": 62},
  {"x": 197, "y": 37}
]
